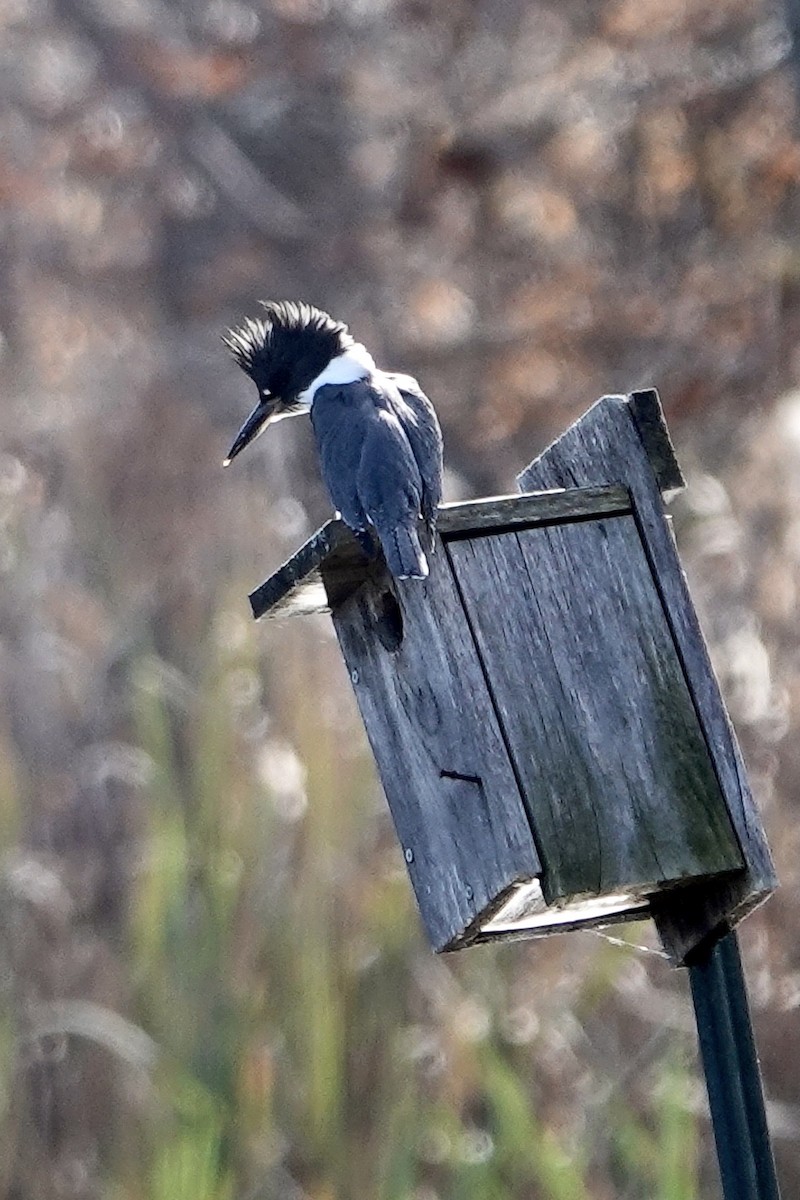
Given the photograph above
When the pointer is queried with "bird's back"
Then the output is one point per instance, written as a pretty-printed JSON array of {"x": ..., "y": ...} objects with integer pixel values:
[
  {"x": 418, "y": 418},
  {"x": 380, "y": 455}
]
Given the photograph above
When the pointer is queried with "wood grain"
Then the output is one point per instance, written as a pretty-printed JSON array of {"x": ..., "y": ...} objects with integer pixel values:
[
  {"x": 605, "y": 446},
  {"x": 454, "y": 798},
  {"x": 594, "y": 707},
  {"x": 496, "y": 513},
  {"x": 648, "y": 417},
  {"x": 297, "y": 586},
  {"x": 332, "y": 563}
]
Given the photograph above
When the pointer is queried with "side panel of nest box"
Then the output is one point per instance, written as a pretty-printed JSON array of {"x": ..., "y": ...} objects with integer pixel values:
[
  {"x": 429, "y": 717},
  {"x": 593, "y": 702},
  {"x": 624, "y": 440}
]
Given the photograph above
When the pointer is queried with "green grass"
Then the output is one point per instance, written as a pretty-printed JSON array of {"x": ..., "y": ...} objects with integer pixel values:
[{"x": 306, "y": 1036}]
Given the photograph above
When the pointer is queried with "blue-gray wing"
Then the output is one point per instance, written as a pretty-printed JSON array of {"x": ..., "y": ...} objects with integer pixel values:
[
  {"x": 340, "y": 418},
  {"x": 390, "y": 489},
  {"x": 370, "y": 469},
  {"x": 421, "y": 426}
]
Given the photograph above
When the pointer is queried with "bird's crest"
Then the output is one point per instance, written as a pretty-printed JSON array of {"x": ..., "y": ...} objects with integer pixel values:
[{"x": 288, "y": 331}]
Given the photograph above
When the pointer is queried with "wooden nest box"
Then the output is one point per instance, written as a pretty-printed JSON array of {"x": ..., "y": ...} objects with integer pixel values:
[{"x": 545, "y": 720}]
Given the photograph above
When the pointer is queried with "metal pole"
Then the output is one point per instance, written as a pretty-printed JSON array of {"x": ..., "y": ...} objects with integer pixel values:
[{"x": 732, "y": 1073}]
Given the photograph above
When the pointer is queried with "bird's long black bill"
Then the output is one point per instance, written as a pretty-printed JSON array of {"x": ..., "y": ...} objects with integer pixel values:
[{"x": 255, "y": 424}]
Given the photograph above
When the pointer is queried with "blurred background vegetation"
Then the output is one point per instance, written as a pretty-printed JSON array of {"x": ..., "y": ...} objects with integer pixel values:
[{"x": 214, "y": 984}]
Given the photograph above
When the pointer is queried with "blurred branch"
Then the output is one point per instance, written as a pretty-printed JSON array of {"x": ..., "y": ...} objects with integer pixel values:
[
  {"x": 83, "y": 1018},
  {"x": 683, "y": 74},
  {"x": 256, "y": 199}
]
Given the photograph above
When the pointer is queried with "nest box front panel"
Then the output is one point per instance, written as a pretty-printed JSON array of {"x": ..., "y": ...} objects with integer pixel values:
[
  {"x": 594, "y": 706},
  {"x": 429, "y": 716}
]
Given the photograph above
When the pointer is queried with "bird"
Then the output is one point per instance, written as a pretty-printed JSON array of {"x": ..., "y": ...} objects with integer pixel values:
[{"x": 377, "y": 435}]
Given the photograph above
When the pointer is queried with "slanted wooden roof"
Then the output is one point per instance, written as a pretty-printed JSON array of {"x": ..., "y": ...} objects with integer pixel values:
[{"x": 331, "y": 564}]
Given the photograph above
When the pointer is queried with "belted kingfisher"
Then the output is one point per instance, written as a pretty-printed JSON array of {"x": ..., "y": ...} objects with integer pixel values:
[{"x": 379, "y": 442}]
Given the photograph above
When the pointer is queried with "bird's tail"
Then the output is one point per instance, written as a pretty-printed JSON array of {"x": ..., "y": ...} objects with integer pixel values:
[{"x": 404, "y": 554}]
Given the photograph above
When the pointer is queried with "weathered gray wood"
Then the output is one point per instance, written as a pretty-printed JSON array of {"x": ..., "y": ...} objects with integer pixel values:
[
  {"x": 497, "y": 513},
  {"x": 544, "y": 706},
  {"x": 451, "y": 789},
  {"x": 571, "y": 920},
  {"x": 298, "y": 587},
  {"x": 594, "y": 708},
  {"x": 605, "y": 446},
  {"x": 332, "y": 563},
  {"x": 648, "y": 417}
]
